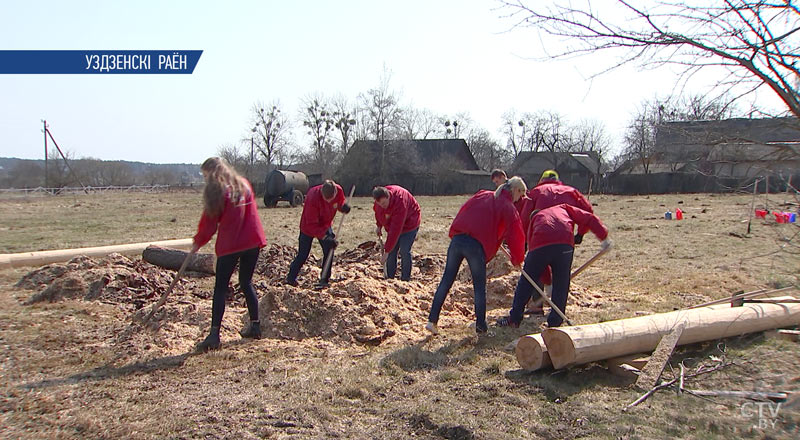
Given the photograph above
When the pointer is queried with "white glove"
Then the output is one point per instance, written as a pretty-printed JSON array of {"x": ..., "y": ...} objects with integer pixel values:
[{"x": 606, "y": 244}]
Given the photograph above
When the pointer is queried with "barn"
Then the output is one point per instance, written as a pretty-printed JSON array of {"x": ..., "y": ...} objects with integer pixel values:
[{"x": 423, "y": 166}]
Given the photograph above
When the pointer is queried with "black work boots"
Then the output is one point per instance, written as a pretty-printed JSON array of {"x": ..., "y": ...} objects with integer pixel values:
[{"x": 252, "y": 331}]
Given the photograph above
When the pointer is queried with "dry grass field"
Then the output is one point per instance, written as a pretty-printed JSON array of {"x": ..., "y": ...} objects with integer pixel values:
[{"x": 63, "y": 375}]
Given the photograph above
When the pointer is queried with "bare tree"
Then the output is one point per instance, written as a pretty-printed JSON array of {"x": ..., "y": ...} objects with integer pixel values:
[
  {"x": 320, "y": 124},
  {"x": 344, "y": 117},
  {"x": 640, "y": 138},
  {"x": 486, "y": 149},
  {"x": 589, "y": 135},
  {"x": 417, "y": 123},
  {"x": 271, "y": 130},
  {"x": 516, "y": 131},
  {"x": 755, "y": 40},
  {"x": 381, "y": 110},
  {"x": 381, "y": 113}
]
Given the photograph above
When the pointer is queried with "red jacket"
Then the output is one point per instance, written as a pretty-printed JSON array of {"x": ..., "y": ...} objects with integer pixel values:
[
  {"x": 401, "y": 216},
  {"x": 519, "y": 205},
  {"x": 555, "y": 225},
  {"x": 239, "y": 226},
  {"x": 318, "y": 214},
  {"x": 491, "y": 220},
  {"x": 551, "y": 193}
]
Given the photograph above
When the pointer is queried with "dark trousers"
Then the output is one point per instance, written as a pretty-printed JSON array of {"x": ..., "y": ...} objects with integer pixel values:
[
  {"x": 403, "y": 247},
  {"x": 225, "y": 265},
  {"x": 303, "y": 249},
  {"x": 463, "y": 247},
  {"x": 559, "y": 258}
]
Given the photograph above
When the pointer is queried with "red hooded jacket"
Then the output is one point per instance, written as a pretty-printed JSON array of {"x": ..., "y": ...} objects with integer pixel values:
[
  {"x": 318, "y": 214},
  {"x": 555, "y": 225},
  {"x": 551, "y": 193},
  {"x": 238, "y": 226},
  {"x": 491, "y": 220},
  {"x": 401, "y": 216}
]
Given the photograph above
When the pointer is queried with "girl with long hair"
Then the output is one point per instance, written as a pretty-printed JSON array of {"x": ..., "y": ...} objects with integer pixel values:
[{"x": 230, "y": 211}]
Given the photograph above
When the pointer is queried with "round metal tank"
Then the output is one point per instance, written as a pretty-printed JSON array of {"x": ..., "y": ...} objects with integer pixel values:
[{"x": 279, "y": 182}]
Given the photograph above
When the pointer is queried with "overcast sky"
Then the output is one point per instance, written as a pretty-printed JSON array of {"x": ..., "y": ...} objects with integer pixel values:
[{"x": 448, "y": 56}]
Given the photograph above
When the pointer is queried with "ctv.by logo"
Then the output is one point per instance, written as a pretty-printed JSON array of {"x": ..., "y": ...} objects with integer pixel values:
[{"x": 766, "y": 413}]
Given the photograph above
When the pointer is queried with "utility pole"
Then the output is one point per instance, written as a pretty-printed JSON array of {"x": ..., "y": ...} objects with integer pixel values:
[{"x": 44, "y": 132}]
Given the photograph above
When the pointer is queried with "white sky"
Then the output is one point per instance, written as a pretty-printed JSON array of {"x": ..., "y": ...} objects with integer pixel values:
[{"x": 446, "y": 55}]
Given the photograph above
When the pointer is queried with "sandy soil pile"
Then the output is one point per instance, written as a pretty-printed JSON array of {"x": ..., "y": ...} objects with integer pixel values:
[
  {"x": 115, "y": 279},
  {"x": 358, "y": 307}
]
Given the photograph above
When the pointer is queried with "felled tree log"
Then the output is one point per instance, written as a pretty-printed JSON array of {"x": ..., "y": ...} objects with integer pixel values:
[
  {"x": 40, "y": 258},
  {"x": 173, "y": 259},
  {"x": 587, "y": 343},
  {"x": 532, "y": 353}
]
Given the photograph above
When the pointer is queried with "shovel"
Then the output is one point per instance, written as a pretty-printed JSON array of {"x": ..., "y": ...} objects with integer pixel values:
[
  {"x": 178, "y": 276},
  {"x": 383, "y": 263},
  {"x": 328, "y": 261}
]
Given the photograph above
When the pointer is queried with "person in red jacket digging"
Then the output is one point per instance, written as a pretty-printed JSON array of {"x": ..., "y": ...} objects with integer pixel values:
[
  {"x": 551, "y": 240},
  {"x": 480, "y": 227},
  {"x": 231, "y": 212},
  {"x": 550, "y": 192},
  {"x": 321, "y": 204},
  {"x": 397, "y": 211}
]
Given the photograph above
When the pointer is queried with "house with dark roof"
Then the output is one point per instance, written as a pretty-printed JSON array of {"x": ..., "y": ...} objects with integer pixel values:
[
  {"x": 700, "y": 156},
  {"x": 423, "y": 166},
  {"x": 578, "y": 169}
]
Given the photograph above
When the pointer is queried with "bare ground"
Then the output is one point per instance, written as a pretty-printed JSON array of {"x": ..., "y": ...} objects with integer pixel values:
[{"x": 78, "y": 368}]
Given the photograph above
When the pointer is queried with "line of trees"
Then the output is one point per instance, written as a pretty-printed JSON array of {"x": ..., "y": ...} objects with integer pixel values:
[
  {"x": 325, "y": 127},
  {"x": 93, "y": 172}
]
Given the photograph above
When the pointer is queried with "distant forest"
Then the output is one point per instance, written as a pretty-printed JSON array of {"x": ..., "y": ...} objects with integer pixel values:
[{"x": 28, "y": 173}]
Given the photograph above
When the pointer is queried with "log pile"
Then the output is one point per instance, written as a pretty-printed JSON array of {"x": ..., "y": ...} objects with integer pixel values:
[{"x": 581, "y": 344}]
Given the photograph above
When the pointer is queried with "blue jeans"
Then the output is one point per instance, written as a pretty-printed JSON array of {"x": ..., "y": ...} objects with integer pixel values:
[
  {"x": 303, "y": 249},
  {"x": 463, "y": 247},
  {"x": 403, "y": 246},
  {"x": 559, "y": 258},
  {"x": 225, "y": 265}
]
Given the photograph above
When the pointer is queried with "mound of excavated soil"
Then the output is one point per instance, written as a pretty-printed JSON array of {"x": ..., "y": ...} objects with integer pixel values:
[
  {"x": 114, "y": 279},
  {"x": 359, "y": 306}
]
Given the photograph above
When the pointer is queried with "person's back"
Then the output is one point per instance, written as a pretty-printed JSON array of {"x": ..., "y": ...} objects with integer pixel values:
[
  {"x": 489, "y": 219},
  {"x": 551, "y": 192}
]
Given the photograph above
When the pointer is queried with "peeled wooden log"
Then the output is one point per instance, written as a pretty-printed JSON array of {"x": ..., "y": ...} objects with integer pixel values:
[
  {"x": 587, "y": 343},
  {"x": 57, "y": 256},
  {"x": 173, "y": 259},
  {"x": 532, "y": 353}
]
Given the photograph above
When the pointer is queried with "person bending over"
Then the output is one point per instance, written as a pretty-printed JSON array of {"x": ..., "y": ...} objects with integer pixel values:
[
  {"x": 480, "y": 227},
  {"x": 398, "y": 212},
  {"x": 319, "y": 209}
]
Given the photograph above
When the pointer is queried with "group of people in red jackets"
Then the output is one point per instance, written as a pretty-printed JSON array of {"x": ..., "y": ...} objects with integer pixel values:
[{"x": 542, "y": 219}]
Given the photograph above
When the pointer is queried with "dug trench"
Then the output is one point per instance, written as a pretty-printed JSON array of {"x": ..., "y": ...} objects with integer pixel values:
[{"x": 360, "y": 307}]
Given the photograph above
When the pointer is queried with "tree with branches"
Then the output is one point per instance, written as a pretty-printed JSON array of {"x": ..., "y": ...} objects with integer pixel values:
[
  {"x": 344, "y": 118},
  {"x": 320, "y": 122},
  {"x": 271, "y": 130},
  {"x": 756, "y": 41}
]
